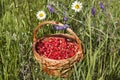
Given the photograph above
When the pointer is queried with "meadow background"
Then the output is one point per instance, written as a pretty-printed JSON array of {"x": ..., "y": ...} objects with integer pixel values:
[{"x": 100, "y": 35}]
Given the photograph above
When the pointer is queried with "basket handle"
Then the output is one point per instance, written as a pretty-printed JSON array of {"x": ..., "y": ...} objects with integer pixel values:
[{"x": 54, "y": 23}]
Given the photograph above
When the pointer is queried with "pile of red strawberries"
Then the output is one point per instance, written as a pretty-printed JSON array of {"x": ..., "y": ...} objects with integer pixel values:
[{"x": 57, "y": 48}]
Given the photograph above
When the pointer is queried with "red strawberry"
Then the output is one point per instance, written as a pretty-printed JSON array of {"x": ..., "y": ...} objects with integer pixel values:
[{"x": 57, "y": 48}]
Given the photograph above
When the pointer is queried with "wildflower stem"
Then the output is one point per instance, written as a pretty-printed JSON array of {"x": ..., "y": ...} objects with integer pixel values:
[{"x": 68, "y": 16}]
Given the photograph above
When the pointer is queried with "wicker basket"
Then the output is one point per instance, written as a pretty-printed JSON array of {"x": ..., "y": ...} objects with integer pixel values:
[{"x": 53, "y": 67}]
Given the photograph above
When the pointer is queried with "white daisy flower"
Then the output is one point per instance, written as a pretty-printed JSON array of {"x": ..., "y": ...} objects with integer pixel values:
[
  {"x": 77, "y": 6},
  {"x": 41, "y": 15}
]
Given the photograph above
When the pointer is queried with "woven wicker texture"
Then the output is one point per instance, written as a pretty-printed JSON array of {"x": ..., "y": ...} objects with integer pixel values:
[{"x": 53, "y": 67}]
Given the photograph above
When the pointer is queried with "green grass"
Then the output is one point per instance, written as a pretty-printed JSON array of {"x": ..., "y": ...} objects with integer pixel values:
[{"x": 100, "y": 36}]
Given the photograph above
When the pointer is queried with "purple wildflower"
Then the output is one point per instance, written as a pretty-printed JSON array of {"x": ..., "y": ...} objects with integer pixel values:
[
  {"x": 65, "y": 18},
  {"x": 56, "y": 27},
  {"x": 93, "y": 11},
  {"x": 102, "y": 6},
  {"x": 51, "y": 9}
]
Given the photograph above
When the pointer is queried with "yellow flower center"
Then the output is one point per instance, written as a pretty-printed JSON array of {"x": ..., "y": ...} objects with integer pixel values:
[
  {"x": 41, "y": 14},
  {"x": 77, "y": 6}
]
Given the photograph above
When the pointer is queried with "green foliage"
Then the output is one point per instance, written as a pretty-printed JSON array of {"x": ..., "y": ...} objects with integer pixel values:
[{"x": 99, "y": 34}]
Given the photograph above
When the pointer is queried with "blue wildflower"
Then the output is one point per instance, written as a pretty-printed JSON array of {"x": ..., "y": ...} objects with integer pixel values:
[
  {"x": 56, "y": 27},
  {"x": 51, "y": 9},
  {"x": 102, "y": 6},
  {"x": 65, "y": 18},
  {"x": 93, "y": 11}
]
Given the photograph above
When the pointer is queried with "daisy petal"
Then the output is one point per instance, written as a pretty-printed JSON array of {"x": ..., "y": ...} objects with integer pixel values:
[
  {"x": 41, "y": 15},
  {"x": 77, "y": 6}
]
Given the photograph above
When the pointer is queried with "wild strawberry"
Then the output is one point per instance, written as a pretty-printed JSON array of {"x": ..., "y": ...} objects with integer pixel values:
[{"x": 56, "y": 48}]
